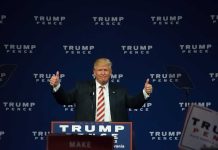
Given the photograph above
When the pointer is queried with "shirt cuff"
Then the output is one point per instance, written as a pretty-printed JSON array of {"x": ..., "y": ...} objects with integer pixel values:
[
  {"x": 145, "y": 94},
  {"x": 55, "y": 89}
]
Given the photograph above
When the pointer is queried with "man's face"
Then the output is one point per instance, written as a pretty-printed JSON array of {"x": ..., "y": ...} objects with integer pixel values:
[{"x": 102, "y": 73}]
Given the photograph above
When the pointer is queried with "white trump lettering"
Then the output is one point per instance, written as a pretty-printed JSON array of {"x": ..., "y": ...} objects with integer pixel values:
[
  {"x": 64, "y": 127},
  {"x": 102, "y": 128},
  {"x": 119, "y": 128},
  {"x": 90, "y": 128}
]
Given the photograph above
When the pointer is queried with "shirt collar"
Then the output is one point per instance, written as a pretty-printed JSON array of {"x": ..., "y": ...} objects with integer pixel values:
[{"x": 98, "y": 84}]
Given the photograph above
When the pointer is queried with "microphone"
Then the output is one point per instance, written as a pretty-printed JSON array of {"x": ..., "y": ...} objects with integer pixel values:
[{"x": 92, "y": 95}]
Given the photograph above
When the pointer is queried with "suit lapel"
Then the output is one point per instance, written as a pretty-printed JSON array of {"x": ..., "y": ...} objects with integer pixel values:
[
  {"x": 112, "y": 97},
  {"x": 93, "y": 97}
]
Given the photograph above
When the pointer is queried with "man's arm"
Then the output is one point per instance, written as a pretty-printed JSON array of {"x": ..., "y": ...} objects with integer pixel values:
[
  {"x": 139, "y": 100},
  {"x": 58, "y": 92}
]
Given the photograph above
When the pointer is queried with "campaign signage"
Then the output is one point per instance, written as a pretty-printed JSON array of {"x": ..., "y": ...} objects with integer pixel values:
[
  {"x": 120, "y": 131},
  {"x": 78, "y": 142},
  {"x": 200, "y": 129}
]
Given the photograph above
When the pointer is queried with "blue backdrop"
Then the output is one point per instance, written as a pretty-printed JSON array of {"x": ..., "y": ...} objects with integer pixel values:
[{"x": 173, "y": 43}]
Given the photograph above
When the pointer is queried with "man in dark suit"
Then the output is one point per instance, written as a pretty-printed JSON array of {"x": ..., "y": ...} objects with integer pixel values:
[{"x": 88, "y": 96}]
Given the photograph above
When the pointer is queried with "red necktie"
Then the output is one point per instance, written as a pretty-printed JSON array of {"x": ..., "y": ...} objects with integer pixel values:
[{"x": 100, "y": 113}]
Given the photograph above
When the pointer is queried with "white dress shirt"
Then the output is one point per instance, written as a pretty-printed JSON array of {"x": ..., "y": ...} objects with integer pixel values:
[{"x": 107, "y": 117}]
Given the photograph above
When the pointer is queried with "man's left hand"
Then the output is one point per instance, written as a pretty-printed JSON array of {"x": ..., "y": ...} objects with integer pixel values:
[{"x": 148, "y": 87}]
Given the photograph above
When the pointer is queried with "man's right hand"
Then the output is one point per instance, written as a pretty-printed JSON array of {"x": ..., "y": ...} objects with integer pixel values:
[{"x": 55, "y": 79}]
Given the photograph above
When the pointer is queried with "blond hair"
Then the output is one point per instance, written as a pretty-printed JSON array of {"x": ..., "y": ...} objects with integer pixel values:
[{"x": 104, "y": 61}]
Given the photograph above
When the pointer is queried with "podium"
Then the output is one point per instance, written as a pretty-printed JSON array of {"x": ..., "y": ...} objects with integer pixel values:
[
  {"x": 79, "y": 142},
  {"x": 90, "y": 136}
]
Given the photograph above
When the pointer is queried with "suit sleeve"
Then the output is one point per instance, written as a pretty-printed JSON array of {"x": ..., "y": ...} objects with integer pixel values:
[
  {"x": 135, "y": 101},
  {"x": 65, "y": 98}
]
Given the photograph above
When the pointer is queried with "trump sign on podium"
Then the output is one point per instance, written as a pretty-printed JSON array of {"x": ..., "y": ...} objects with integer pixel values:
[
  {"x": 120, "y": 131},
  {"x": 200, "y": 129}
]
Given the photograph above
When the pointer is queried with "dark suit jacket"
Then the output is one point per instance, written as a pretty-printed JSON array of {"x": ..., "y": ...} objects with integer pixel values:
[{"x": 83, "y": 95}]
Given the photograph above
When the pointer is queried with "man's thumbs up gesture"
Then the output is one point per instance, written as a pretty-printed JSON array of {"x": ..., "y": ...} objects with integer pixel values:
[
  {"x": 148, "y": 87},
  {"x": 55, "y": 79}
]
